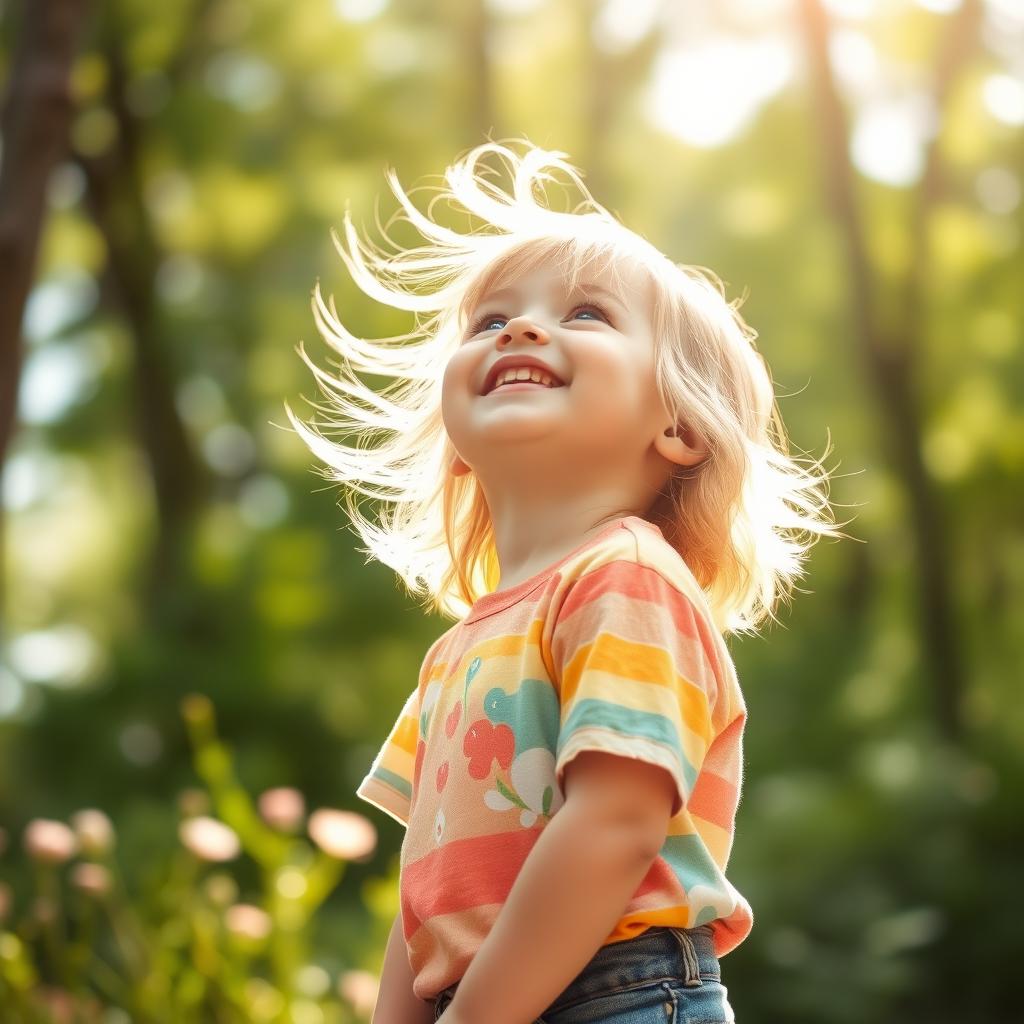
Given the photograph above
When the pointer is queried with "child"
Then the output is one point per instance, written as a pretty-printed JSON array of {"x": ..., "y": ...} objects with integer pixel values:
[{"x": 586, "y": 468}]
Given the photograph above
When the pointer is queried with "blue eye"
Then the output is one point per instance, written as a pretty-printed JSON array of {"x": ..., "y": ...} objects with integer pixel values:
[{"x": 485, "y": 322}]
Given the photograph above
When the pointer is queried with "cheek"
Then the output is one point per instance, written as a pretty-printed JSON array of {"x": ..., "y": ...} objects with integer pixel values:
[
  {"x": 619, "y": 388},
  {"x": 606, "y": 365},
  {"x": 461, "y": 365},
  {"x": 455, "y": 372},
  {"x": 456, "y": 385}
]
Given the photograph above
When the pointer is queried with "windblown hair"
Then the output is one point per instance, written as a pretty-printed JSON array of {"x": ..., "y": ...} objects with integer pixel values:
[{"x": 743, "y": 519}]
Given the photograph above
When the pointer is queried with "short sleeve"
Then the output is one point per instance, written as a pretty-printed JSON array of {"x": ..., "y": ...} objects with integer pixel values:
[
  {"x": 388, "y": 785},
  {"x": 634, "y": 662}
]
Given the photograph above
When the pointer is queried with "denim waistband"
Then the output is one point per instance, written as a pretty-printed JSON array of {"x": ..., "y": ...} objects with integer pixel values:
[{"x": 658, "y": 954}]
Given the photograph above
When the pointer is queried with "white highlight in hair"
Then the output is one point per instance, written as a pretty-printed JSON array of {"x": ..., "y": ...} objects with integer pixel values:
[{"x": 743, "y": 519}]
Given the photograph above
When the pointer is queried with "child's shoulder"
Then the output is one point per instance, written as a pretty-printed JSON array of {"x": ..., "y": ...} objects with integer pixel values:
[
  {"x": 612, "y": 585},
  {"x": 637, "y": 547}
]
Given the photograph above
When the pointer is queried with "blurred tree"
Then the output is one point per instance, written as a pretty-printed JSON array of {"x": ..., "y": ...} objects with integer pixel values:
[
  {"x": 892, "y": 352},
  {"x": 479, "y": 120},
  {"x": 613, "y": 76},
  {"x": 36, "y": 116},
  {"x": 114, "y": 191}
]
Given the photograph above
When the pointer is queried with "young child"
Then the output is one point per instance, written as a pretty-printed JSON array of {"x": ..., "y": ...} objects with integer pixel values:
[{"x": 585, "y": 467}]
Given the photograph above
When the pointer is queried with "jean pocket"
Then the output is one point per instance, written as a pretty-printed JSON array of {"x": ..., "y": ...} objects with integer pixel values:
[
  {"x": 707, "y": 1003},
  {"x": 647, "y": 1001}
]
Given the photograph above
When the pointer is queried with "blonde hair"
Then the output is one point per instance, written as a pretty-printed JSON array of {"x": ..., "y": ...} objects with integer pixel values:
[{"x": 743, "y": 519}]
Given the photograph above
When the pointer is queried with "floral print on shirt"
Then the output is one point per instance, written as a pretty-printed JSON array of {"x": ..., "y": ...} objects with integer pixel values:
[{"x": 511, "y": 745}]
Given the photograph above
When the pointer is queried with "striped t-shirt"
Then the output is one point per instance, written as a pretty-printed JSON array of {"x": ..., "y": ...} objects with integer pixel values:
[{"x": 612, "y": 648}]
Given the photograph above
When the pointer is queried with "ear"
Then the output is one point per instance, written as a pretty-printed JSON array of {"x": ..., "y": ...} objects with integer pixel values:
[
  {"x": 457, "y": 467},
  {"x": 681, "y": 445}
]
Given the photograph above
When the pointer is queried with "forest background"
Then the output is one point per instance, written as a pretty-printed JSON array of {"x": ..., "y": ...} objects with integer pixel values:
[{"x": 186, "y": 623}]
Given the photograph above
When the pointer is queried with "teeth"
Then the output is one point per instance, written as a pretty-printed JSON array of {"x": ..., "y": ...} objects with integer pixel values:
[{"x": 524, "y": 373}]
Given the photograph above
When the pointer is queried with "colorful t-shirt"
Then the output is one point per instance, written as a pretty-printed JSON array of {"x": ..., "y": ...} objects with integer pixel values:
[{"x": 613, "y": 649}]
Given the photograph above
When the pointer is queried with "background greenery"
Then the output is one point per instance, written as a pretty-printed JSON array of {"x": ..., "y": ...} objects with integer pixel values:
[{"x": 164, "y": 535}]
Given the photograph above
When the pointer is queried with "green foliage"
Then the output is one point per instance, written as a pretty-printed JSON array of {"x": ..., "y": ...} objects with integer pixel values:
[
  {"x": 187, "y": 947},
  {"x": 879, "y": 853}
]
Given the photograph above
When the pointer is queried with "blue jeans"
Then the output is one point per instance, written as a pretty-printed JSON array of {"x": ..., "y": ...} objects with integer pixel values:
[{"x": 663, "y": 976}]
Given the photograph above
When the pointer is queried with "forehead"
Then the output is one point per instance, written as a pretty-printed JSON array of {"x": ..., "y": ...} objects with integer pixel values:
[{"x": 567, "y": 266}]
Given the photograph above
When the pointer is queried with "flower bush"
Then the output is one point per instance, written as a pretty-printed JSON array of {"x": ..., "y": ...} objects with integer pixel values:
[{"x": 87, "y": 952}]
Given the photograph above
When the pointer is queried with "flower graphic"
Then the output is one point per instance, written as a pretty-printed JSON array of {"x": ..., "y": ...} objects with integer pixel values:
[
  {"x": 421, "y": 749},
  {"x": 430, "y": 696},
  {"x": 485, "y": 743},
  {"x": 535, "y": 790},
  {"x": 451, "y": 723},
  {"x": 474, "y": 667}
]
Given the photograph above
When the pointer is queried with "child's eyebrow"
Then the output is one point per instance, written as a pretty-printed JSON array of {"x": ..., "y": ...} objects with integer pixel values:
[{"x": 583, "y": 289}]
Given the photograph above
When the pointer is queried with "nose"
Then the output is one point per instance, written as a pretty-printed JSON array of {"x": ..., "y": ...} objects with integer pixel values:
[{"x": 523, "y": 328}]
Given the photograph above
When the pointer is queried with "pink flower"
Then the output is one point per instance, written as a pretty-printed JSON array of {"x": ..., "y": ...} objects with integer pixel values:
[
  {"x": 61, "y": 1006},
  {"x": 94, "y": 830},
  {"x": 247, "y": 921},
  {"x": 282, "y": 808},
  {"x": 91, "y": 878},
  {"x": 209, "y": 839},
  {"x": 360, "y": 989},
  {"x": 343, "y": 834},
  {"x": 49, "y": 841}
]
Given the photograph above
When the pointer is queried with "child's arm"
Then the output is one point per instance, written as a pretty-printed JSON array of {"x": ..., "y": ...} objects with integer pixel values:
[
  {"x": 396, "y": 1003},
  {"x": 578, "y": 878}
]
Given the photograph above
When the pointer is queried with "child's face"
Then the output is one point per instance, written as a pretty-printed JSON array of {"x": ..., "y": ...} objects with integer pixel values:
[{"x": 605, "y": 416}]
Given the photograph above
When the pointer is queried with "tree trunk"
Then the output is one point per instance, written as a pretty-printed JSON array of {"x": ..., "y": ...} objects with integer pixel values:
[
  {"x": 889, "y": 355},
  {"x": 115, "y": 199},
  {"x": 610, "y": 83},
  {"x": 36, "y": 119},
  {"x": 480, "y": 115}
]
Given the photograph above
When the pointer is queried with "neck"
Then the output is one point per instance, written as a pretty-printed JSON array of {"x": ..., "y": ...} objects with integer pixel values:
[{"x": 531, "y": 536}]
